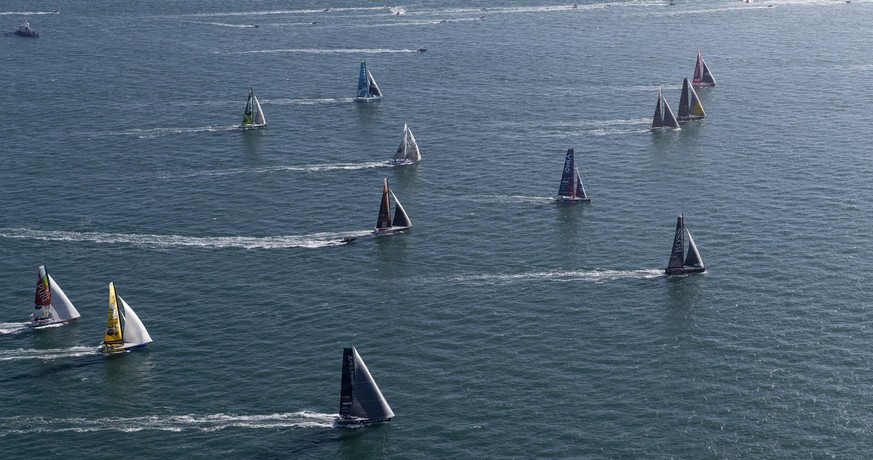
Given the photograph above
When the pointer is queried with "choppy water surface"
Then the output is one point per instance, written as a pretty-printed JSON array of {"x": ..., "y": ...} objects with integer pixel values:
[{"x": 502, "y": 325}]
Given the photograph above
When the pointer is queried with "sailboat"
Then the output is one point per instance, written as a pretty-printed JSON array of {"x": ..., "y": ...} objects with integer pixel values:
[
  {"x": 690, "y": 107},
  {"x": 693, "y": 263},
  {"x": 407, "y": 152},
  {"x": 51, "y": 304},
  {"x": 368, "y": 90},
  {"x": 124, "y": 330},
  {"x": 571, "y": 188},
  {"x": 702, "y": 76},
  {"x": 664, "y": 117},
  {"x": 384, "y": 224},
  {"x": 361, "y": 402},
  {"x": 253, "y": 117}
]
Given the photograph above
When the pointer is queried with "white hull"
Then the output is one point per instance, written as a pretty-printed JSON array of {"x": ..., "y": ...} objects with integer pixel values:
[
  {"x": 572, "y": 199},
  {"x": 39, "y": 324},
  {"x": 368, "y": 99},
  {"x": 253, "y": 126},
  {"x": 389, "y": 231}
]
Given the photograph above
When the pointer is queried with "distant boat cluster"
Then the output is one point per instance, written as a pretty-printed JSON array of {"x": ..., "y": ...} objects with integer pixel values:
[
  {"x": 361, "y": 400},
  {"x": 690, "y": 107}
]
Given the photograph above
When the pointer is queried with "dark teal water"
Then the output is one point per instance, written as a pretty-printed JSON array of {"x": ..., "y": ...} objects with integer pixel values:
[{"x": 502, "y": 325}]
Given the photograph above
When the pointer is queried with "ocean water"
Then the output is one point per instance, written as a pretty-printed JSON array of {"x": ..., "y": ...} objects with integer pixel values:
[{"x": 503, "y": 325}]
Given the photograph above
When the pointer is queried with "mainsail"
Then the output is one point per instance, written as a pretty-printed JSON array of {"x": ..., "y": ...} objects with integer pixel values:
[
  {"x": 51, "y": 304},
  {"x": 360, "y": 397},
  {"x": 407, "y": 152},
  {"x": 113, "y": 339},
  {"x": 690, "y": 107},
  {"x": 702, "y": 76},
  {"x": 383, "y": 221}
]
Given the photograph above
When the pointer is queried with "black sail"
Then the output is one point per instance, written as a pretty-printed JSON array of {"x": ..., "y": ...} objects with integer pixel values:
[
  {"x": 683, "y": 102},
  {"x": 674, "y": 265}
]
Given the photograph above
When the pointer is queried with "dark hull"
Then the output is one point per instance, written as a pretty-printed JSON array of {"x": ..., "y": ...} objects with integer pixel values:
[
  {"x": 352, "y": 422},
  {"x": 27, "y": 33},
  {"x": 684, "y": 271}
]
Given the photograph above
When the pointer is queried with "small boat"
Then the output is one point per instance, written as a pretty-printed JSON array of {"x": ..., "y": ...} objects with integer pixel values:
[
  {"x": 253, "y": 117},
  {"x": 51, "y": 304},
  {"x": 690, "y": 108},
  {"x": 664, "y": 117},
  {"x": 693, "y": 263},
  {"x": 571, "y": 188},
  {"x": 361, "y": 402},
  {"x": 347, "y": 239},
  {"x": 25, "y": 30},
  {"x": 124, "y": 330},
  {"x": 384, "y": 224},
  {"x": 702, "y": 76},
  {"x": 368, "y": 90},
  {"x": 407, "y": 152}
]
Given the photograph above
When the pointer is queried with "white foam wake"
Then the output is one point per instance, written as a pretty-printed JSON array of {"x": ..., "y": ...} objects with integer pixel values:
[
  {"x": 328, "y": 51},
  {"x": 13, "y": 328},
  {"x": 177, "y": 423},
  {"x": 596, "y": 275},
  {"x": 315, "y": 240},
  {"x": 46, "y": 354},
  {"x": 271, "y": 169}
]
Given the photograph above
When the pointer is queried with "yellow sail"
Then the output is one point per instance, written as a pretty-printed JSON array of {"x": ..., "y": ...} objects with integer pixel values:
[{"x": 112, "y": 340}]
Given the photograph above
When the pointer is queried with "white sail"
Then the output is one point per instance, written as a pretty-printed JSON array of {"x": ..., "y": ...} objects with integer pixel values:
[
  {"x": 259, "y": 113},
  {"x": 135, "y": 333},
  {"x": 693, "y": 258},
  {"x": 374, "y": 87},
  {"x": 63, "y": 308},
  {"x": 412, "y": 152}
]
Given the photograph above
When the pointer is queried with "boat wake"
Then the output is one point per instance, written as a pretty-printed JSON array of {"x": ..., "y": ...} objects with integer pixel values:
[
  {"x": 273, "y": 169},
  {"x": 152, "y": 133},
  {"x": 312, "y": 241},
  {"x": 283, "y": 12},
  {"x": 324, "y": 101},
  {"x": 27, "y": 13},
  {"x": 328, "y": 51},
  {"x": 13, "y": 328},
  {"x": 511, "y": 199},
  {"x": 175, "y": 423},
  {"x": 596, "y": 275},
  {"x": 236, "y": 26},
  {"x": 46, "y": 354}
]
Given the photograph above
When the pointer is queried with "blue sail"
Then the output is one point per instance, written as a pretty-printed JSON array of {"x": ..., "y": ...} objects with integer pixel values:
[
  {"x": 567, "y": 179},
  {"x": 363, "y": 84}
]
